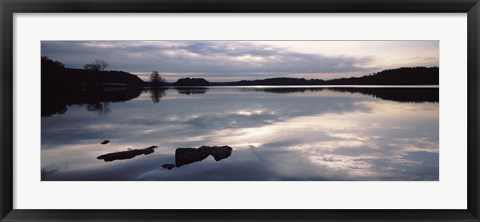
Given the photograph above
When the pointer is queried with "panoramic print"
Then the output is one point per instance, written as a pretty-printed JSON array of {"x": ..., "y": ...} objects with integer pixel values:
[{"x": 239, "y": 110}]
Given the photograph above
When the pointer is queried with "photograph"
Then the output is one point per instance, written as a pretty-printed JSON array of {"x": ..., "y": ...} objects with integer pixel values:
[{"x": 246, "y": 110}]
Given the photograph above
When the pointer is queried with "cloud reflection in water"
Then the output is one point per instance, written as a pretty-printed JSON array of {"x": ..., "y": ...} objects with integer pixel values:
[{"x": 312, "y": 135}]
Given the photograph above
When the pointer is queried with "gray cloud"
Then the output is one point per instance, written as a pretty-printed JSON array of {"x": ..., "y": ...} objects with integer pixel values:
[{"x": 207, "y": 58}]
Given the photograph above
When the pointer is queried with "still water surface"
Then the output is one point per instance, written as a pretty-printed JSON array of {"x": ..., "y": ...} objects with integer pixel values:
[{"x": 276, "y": 133}]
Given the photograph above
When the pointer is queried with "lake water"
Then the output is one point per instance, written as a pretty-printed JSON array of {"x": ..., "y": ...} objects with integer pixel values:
[{"x": 276, "y": 133}]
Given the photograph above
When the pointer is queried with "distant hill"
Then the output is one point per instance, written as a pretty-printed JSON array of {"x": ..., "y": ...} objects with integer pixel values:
[
  {"x": 274, "y": 82},
  {"x": 400, "y": 76}
]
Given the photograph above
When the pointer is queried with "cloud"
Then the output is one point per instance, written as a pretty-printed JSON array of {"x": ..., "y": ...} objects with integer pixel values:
[{"x": 207, "y": 58}]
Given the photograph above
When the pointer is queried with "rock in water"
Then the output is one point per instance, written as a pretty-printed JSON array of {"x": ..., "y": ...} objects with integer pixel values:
[
  {"x": 218, "y": 153},
  {"x": 168, "y": 166},
  {"x": 123, "y": 155},
  {"x": 184, "y": 156},
  {"x": 105, "y": 142}
]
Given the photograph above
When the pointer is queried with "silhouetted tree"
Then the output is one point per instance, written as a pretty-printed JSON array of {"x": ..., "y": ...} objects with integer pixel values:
[
  {"x": 156, "y": 79},
  {"x": 97, "y": 65}
]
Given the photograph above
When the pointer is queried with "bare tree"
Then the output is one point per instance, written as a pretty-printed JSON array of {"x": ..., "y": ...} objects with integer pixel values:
[
  {"x": 97, "y": 65},
  {"x": 102, "y": 64}
]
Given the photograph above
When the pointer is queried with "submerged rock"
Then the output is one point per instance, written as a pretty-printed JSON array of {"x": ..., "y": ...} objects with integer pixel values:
[
  {"x": 184, "y": 156},
  {"x": 129, "y": 154},
  {"x": 168, "y": 166},
  {"x": 105, "y": 142}
]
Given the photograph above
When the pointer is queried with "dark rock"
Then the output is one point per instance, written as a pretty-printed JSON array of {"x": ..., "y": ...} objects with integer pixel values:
[
  {"x": 123, "y": 155},
  {"x": 105, "y": 142},
  {"x": 184, "y": 156},
  {"x": 168, "y": 166},
  {"x": 218, "y": 153}
]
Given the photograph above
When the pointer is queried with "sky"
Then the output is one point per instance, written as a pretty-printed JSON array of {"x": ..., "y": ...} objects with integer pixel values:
[{"x": 239, "y": 60}]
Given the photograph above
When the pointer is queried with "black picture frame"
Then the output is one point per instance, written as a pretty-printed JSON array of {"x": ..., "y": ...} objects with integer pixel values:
[{"x": 9, "y": 7}]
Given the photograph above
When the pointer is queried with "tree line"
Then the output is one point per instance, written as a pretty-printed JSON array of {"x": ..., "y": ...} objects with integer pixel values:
[{"x": 96, "y": 75}]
